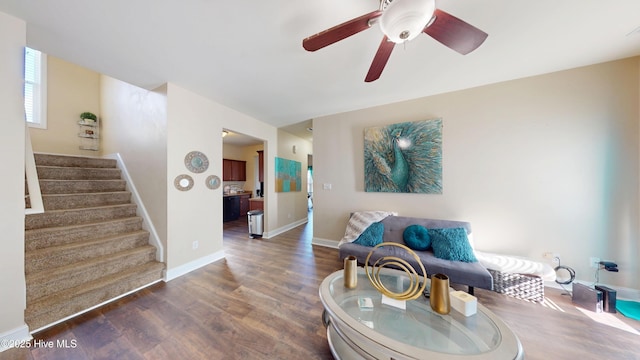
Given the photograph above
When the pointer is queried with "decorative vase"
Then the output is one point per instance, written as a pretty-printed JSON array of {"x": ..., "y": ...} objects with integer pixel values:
[
  {"x": 350, "y": 272},
  {"x": 439, "y": 298}
]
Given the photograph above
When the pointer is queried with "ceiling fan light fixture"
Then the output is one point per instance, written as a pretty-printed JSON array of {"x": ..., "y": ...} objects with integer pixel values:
[{"x": 403, "y": 20}]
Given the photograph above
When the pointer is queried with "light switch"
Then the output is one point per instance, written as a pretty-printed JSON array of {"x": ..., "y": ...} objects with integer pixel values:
[{"x": 326, "y": 186}]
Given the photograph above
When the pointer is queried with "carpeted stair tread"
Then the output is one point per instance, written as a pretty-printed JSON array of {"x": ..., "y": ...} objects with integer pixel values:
[
  {"x": 77, "y": 173},
  {"x": 83, "y": 200},
  {"x": 61, "y": 255},
  {"x": 73, "y": 161},
  {"x": 48, "y": 186},
  {"x": 55, "y": 236},
  {"x": 48, "y": 282},
  {"x": 78, "y": 299},
  {"x": 89, "y": 246},
  {"x": 65, "y": 217}
]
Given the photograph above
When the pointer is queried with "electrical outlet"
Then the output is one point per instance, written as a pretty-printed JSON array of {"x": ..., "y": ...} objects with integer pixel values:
[
  {"x": 594, "y": 262},
  {"x": 194, "y": 245}
]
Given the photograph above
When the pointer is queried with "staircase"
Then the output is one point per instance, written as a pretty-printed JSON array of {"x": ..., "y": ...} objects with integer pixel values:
[{"x": 88, "y": 247}]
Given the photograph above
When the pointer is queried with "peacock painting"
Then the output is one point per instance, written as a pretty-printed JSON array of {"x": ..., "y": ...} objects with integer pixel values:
[{"x": 404, "y": 157}]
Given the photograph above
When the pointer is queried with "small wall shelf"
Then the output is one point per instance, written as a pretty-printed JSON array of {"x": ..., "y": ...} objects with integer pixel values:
[{"x": 89, "y": 134}]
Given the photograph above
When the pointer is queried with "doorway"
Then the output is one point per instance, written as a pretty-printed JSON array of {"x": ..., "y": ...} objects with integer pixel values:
[{"x": 240, "y": 183}]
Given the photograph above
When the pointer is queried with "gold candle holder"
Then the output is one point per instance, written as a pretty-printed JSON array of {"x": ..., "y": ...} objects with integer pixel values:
[
  {"x": 439, "y": 297},
  {"x": 350, "y": 272}
]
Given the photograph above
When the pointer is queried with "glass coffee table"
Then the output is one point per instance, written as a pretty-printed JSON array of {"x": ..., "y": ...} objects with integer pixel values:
[{"x": 359, "y": 326}]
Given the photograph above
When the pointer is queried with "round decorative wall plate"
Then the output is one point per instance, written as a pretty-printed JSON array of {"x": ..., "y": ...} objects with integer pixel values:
[
  {"x": 196, "y": 162},
  {"x": 213, "y": 182},
  {"x": 183, "y": 182}
]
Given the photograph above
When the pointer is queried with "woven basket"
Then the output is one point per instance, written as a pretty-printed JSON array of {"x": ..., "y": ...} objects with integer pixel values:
[{"x": 521, "y": 286}]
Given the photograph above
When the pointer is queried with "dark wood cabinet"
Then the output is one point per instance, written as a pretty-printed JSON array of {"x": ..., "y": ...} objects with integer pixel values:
[
  {"x": 256, "y": 205},
  {"x": 230, "y": 208},
  {"x": 261, "y": 165},
  {"x": 239, "y": 171},
  {"x": 234, "y": 170},
  {"x": 244, "y": 204},
  {"x": 235, "y": 206},
  {"x": 226, "y": 169}
]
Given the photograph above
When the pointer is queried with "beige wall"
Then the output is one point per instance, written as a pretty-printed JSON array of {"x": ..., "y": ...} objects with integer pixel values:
[
  {"x": 251, "y": 156},
  {"x": 196, "y": 123},
  {"x": 292, "y": 206},
  {"x": 71, "y": 90},
  {"x": 12, "y": 141},
  {"x": 547, "y": 163},
  {"x": 134, "y": 124}
]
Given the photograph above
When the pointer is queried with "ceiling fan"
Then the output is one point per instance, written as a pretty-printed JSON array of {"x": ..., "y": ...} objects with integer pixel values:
[{"x": 400, "y": 21}]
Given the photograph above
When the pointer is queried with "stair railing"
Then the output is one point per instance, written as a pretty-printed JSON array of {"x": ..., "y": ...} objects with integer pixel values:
[{"x": 33, "y": 184}]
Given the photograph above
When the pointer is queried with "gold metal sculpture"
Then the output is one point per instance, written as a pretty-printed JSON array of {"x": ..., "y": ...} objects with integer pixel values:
[{"x": 415, "y": 288}]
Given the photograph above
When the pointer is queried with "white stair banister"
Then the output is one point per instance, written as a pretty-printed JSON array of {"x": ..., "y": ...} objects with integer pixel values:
[{"x": 35, "y": 197}]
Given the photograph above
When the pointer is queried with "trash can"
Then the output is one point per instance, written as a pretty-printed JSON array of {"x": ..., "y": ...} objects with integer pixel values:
[{"x": 255, "y": 223}]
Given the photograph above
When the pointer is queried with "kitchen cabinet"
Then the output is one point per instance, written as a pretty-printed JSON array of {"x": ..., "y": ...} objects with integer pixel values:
[
  {"x": 261, "y": 165},
  {"x": 230, "y": 208},
  {"x": 256, "y": 204},
  {"x": 244, "y": 204},
  {"x": 234, "y": 170},
  {"x": 235, "y": 206}
]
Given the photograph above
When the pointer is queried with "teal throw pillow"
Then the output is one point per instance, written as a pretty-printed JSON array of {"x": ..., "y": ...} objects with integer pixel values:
[
  {"x": 417, "y": 237},
  {"x": 372, "y": 235},
  {"x": 452, "y": 244}
]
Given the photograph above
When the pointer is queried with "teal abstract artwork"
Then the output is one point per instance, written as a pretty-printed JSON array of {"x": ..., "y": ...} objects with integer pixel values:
[
  {"x": 404, "y": 157},
  {"x": 288, "y": 175}
]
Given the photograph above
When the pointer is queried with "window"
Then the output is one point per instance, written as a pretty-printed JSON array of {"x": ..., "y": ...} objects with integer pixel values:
[{"x": 35, "y": 88}]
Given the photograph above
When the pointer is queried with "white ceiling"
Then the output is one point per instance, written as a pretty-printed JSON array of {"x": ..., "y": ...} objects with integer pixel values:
[{"x": 248, "y": 54}]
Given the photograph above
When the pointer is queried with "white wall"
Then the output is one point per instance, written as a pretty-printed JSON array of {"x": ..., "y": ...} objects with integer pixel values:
[
  {"x": 12, "y": 143},
  {"x": 196, "y": 123},
  {"x": 547, "y": 163},
  {"x": 134, "y": 124}
]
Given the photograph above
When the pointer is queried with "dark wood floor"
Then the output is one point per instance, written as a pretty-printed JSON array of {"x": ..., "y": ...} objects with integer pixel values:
[{"x": 262, "y": 302}]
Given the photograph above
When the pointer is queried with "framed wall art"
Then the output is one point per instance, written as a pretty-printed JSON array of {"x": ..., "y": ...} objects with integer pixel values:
[
  {"x": 288, "y": 175},
  {"x": 404, "y": 157}
]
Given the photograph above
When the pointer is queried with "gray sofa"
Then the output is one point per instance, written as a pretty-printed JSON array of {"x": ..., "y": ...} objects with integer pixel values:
[{"x": 471, "y": 274}]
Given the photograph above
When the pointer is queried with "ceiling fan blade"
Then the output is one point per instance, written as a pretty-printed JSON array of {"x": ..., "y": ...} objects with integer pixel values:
[
  {"x": 455, "y": 33},
  {"x": 339, "y": 32},
  {"x": 380, "y": 60}
]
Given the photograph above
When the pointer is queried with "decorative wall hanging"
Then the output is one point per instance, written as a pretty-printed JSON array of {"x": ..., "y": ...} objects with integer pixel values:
[
  {"x": 183, "y": 182},
  {"x": 404, "y": 157},
  {"x": 288, "y": 175},
  {"x": 196, "y": 162},
  {"x": 212, "y": 182}
]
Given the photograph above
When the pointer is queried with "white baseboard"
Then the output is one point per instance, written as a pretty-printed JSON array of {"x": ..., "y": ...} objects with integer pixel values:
[
  {"x": 193, "y": 265},
  {"x": 325, "y": 242},
  {"x": 14, "y": 338},
  {"x": 285, "y": 228}
]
